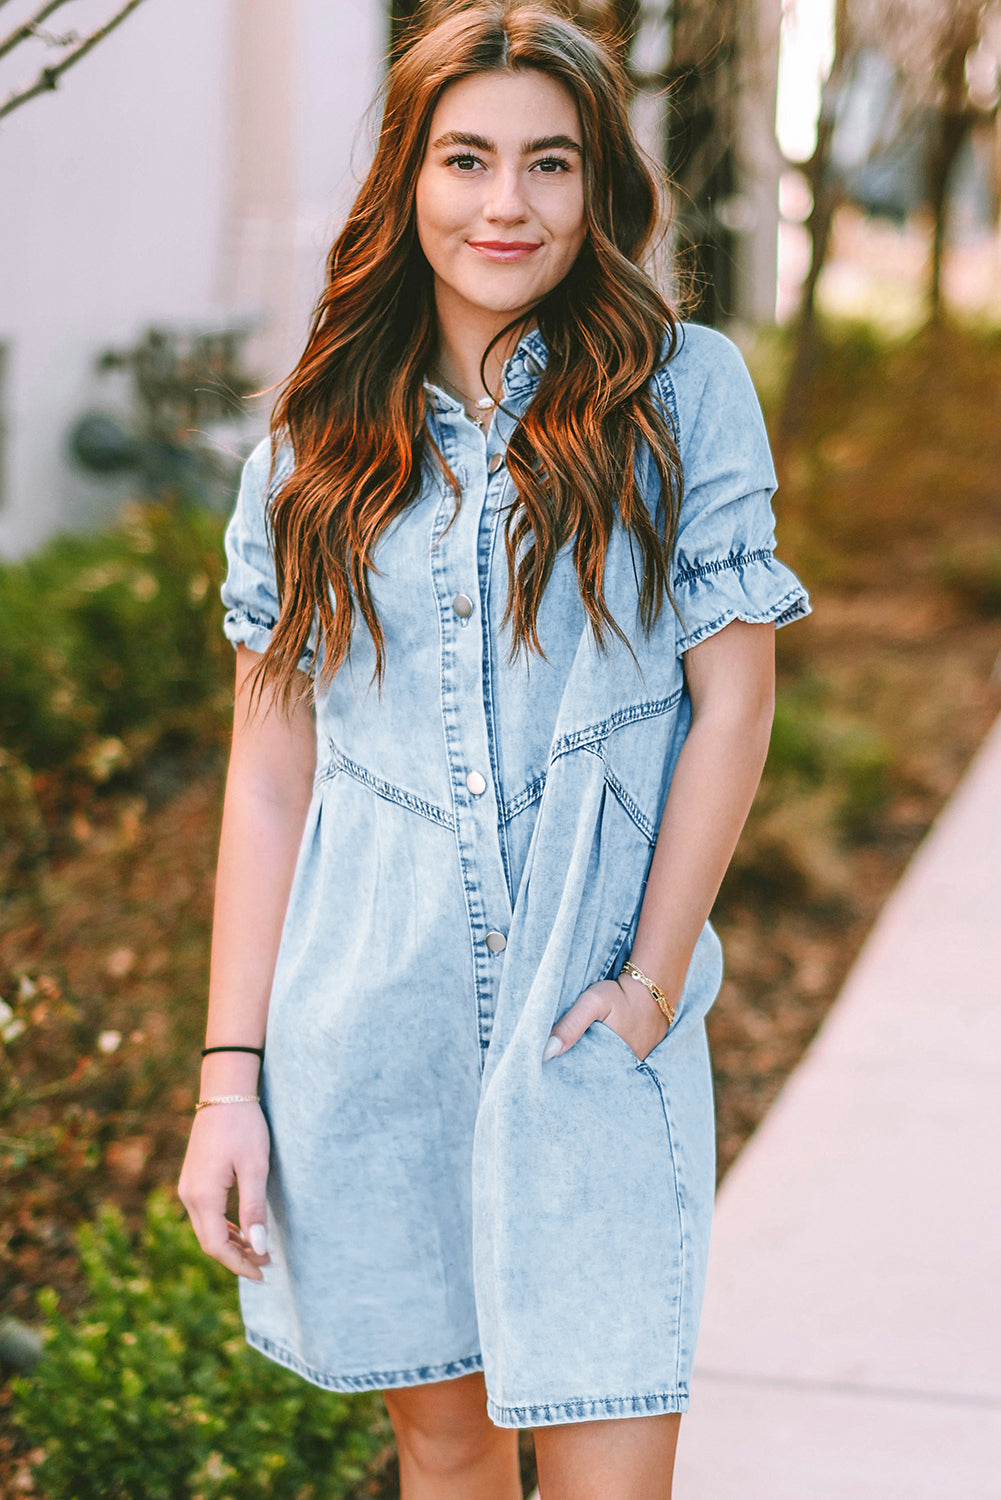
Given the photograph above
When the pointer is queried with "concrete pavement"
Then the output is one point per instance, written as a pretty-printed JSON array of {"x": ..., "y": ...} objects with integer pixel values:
[{"x": 851, "y": 1337}]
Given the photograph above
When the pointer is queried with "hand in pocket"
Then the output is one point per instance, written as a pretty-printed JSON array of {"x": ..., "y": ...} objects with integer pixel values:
[{"x": 635, "y": 1017}]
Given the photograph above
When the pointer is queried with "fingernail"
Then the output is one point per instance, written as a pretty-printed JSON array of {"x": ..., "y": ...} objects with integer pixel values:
[
  {"x": 258, "y": 1237},
  {"x": 553, "y": 1048}
]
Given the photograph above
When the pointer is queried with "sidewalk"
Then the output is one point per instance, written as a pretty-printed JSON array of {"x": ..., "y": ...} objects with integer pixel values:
[{"x": 851, "y": 1337}]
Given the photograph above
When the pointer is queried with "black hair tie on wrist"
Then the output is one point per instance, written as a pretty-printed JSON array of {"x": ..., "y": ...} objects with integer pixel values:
[{"x": 258, "y": 1051}]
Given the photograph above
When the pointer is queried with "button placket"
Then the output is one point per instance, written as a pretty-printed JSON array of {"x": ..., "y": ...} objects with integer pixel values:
[{"x": 456, "y": 562}]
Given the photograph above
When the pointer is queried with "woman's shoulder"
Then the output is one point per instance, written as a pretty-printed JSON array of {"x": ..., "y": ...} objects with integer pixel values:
[
  {"x": 702, "y": 365},
  {"x": 259, "y": 481},
  {"x": 257, "y": 468}
]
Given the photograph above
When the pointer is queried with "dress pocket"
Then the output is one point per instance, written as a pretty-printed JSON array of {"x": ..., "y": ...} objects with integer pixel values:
[
  {"x": 602, "y": 1030},
  {"x": 608, "y": 1036}
]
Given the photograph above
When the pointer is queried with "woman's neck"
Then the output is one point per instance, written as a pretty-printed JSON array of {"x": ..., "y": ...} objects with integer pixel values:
[{"x": 463, "y": 335}]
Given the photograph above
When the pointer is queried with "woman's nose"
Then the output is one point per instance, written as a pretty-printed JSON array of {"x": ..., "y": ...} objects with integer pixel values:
[{"x": 506, "y": 199}]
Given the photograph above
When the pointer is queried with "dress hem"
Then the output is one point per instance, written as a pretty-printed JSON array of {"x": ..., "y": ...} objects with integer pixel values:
[
  {"x": 377, "y": 1380},
  {"x": 554, "y": 1413}
]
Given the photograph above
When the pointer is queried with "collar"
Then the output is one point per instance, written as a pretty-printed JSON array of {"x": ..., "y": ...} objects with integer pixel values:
[
  {"x": 526, "y": 364},
  {"x": 521, "y": 373}
]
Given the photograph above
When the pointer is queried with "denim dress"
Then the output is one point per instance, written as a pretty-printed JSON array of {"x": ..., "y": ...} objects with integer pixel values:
[{"x": 474, "y": 856}]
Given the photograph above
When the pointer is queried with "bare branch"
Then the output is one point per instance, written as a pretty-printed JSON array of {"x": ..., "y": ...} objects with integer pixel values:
[
  {"x": 27, "y": 27},
  {"x": 49, "y": 77}
]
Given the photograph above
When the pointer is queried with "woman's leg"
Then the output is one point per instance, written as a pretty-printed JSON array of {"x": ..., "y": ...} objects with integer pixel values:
[
  {"x": 449, "y": 1448},
  {"x": 628, "y": 1458}
]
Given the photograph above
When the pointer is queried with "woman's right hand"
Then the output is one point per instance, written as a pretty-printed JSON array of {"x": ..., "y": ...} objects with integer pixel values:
[
  {"x": 269, "y": 787},
  {"x": 229, "y": 1143}
]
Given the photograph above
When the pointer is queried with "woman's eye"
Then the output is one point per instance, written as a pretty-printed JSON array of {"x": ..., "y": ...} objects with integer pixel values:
[
  {"x": 550, "y": 165},
  {"x": 463, "y": 162}
]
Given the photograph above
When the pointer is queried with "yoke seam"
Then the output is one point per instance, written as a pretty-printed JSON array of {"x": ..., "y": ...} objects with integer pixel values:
[
  {"x": 386, "y": 789},
  {"x": 634, "y": 714},
  {"x": 630, "y": 806},
  {"x": 587, "y": 739}
]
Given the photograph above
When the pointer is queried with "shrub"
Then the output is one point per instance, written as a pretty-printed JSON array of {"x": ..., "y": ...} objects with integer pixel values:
[
  {"x": 811, "y": 746},
  {"x": 974, "y": 576},
  {"x": 22, "y": 829},
  {"x": 797, "y": 743},
  {"x": 867, "y": 773},
  {"x": 112, "y": 643},
  {"x": 152, "y": 1393}
]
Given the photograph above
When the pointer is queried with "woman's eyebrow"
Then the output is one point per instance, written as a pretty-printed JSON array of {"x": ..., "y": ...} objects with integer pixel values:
[
  {"x": 551, "y": 143},
  {"x": 462, "y": 138},
  {"x": 481, "y": 143}
]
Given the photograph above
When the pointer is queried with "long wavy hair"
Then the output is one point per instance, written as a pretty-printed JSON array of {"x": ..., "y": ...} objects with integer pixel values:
[{"x": 354, "y": 407}]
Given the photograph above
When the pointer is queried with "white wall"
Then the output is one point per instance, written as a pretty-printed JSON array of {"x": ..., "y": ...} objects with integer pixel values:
[
  {"x": 111, "y": 189},
  {"x": 342, "y": 50},
  {"x": 190, "y": 170}
]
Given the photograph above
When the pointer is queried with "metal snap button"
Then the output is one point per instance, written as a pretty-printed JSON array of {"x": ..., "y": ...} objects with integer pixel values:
[
  {"x": 494, "y": 462},
  {"x": 476, "y": 783},
  {"x": 496, "y": 942},
  {"x": 463, "y": 606},
  {"x": 532, "y": 365}
]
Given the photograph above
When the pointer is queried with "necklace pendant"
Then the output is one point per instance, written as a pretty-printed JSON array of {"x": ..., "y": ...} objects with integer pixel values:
[{"x": 485, "y": 403}]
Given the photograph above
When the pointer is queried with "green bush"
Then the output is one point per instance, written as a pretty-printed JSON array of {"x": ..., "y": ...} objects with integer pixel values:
[
  {"x": 817, "y": 750},
  {"x": 112, "y": 643},
  {"x": 797, "y": 747},
  {"x": 152, "y": 1393},
  {"x": 974, "y": 576},
  {"x": 865, "y": 768}
]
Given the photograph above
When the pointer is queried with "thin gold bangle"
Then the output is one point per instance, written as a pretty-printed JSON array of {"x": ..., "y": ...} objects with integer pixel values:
[
  {"x": 663, "y": 1004},
  {"x": 229, "y": 1099}
]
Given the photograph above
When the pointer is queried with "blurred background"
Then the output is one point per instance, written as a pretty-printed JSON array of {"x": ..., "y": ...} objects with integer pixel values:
[{"x": 171, "y": 177}]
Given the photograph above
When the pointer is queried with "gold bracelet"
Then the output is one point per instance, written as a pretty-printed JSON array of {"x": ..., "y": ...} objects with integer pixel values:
[
  {"x": 663, "y": 1004},
  {"x": 229, "y": 1099}
]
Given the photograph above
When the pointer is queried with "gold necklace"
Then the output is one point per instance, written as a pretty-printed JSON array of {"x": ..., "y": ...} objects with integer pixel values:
[{"x": 483, "y": 404}]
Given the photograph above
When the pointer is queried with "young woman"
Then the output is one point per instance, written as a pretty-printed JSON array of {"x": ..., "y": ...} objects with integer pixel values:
[{"x": 503, "y": 595}]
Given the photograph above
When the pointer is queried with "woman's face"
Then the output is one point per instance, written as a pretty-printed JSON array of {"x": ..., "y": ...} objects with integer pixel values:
[{"x": 500, "y": 193}]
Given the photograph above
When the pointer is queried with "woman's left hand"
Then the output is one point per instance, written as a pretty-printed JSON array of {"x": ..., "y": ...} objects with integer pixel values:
[{"x": 628, "y": 1008}]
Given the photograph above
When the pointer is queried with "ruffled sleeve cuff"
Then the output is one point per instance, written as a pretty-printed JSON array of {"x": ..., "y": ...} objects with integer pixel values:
[
  {"x": 250, "y": 592},
  {"x": 750, "y": 585}
]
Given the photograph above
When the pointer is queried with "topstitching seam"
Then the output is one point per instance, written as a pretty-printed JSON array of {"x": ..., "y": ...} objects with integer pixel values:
[{"x": 387, "y": 789}]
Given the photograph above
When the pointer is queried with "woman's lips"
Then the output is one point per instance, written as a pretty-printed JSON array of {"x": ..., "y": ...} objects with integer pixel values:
[{"x": 504, "y": 249}]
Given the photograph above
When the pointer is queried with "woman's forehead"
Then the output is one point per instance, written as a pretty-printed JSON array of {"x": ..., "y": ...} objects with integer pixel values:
[{"x": 508, "y": 109}]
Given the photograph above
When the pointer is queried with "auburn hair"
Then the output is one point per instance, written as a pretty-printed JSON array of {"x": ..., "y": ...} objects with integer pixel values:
[{"x": 354, "y": 407}]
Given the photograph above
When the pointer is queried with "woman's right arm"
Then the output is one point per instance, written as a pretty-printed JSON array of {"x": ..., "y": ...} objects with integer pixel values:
[{"x": 268, "y": 789}]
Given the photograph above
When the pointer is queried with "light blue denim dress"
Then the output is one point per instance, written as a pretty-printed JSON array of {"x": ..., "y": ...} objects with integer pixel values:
[{"x": 440, "y": 1201}]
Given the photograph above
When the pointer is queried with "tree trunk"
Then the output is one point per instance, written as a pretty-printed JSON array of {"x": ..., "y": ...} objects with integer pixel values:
[
  {"x": 826, "y": 196},
  {"x": 819, "y": 225},
  {"x": 701, "y": 81},
  {"x": 951, "y": 130}
]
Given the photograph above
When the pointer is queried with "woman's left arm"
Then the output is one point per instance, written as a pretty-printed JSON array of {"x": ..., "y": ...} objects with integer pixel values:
[{"x": 731, "y": 682}]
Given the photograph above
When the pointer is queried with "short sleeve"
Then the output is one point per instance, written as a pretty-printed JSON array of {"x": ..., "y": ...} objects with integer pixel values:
[
  {"x": 724, "y": 566},
  {"x": 250, "y": 590}
]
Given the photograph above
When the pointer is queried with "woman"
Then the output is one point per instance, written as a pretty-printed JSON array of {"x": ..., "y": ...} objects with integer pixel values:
[{"x": 504, "y": 599}]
